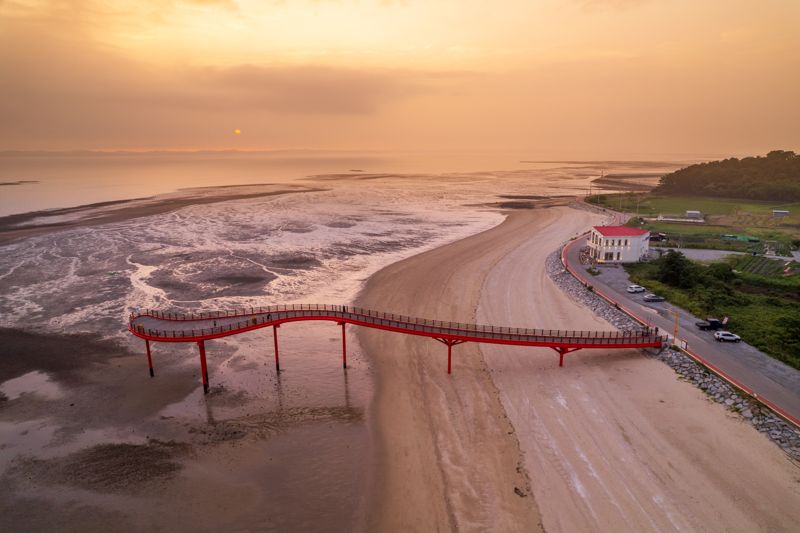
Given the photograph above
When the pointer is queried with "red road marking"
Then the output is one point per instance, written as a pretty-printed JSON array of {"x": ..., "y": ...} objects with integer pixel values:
[{"x": 696, "y": 357}]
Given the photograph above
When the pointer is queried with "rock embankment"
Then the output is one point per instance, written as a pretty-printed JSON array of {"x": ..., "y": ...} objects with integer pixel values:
[{"x": 779, "y": 431}]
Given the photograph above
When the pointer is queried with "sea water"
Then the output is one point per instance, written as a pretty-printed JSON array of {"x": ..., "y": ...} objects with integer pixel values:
[{"x": 317, "y": 244}]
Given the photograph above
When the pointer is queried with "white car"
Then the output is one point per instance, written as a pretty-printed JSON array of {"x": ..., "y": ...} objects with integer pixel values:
[
  {"x": 634, "y": 289},
  {"x": 726, "y": 336}
]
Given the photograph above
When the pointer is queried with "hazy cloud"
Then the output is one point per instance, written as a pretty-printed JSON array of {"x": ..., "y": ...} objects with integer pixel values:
[
  {"x": 65, "y": 83},
  {"x": 57, "y": 91},
  {"x": 309, "y": 89},
  {"x": 224, "y": 3},
  {"x": 611, "y": 4}
]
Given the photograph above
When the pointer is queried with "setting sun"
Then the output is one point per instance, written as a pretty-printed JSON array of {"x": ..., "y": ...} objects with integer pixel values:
[
  {"x": 522, "y": 265},
  {"x": 595, "y": 77}
]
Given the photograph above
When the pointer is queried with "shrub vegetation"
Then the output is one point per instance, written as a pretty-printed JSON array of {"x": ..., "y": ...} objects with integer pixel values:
[{"x": 763, "y": 310}]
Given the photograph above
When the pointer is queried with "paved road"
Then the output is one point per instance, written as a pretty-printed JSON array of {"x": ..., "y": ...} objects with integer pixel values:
[{"x": 769, "y": 378}]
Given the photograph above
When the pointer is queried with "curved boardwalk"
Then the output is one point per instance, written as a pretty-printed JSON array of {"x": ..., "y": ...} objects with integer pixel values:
[{"x": 162, "y": 326}]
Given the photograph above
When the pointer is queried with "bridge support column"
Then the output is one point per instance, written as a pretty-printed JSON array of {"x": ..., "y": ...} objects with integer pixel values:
[
  {"x": 203, "y": 368},
  {"x": 449, "y": 358},
  {"x": 450, "y": 343},
  {"x": 562, "y": 351},
  {"x": 275, "y": 339},
  {"x": 149, "y": 358},
  {"x": 344, "y": 346}
]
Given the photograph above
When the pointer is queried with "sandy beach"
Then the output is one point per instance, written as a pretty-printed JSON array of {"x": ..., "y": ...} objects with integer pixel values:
[
  {"x": 508, "y": 442},
  {"x": 445, "y": 448},
  {"x": 612, "y": 441},
  {"x": 177, "y": 178}
]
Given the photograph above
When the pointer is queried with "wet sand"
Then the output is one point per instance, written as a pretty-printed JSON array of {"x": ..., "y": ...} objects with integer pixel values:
[
  {"x": 21, "y": 226},
  {"x": 111, "y": 448},
  {"x": 612, "y": 441},
  {"x": 491, "y": 446},
  {"x": 262, "y": 451}
]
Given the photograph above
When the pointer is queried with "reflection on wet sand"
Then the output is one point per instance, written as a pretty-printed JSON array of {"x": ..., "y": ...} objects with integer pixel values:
[{"x": 287, "y": 450}]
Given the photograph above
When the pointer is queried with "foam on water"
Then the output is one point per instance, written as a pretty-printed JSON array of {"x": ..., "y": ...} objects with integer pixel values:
[
  {"x": 281, "y": 249},
  {"x": 317, "y": 246},
  {"x": 309, "y": 247}
]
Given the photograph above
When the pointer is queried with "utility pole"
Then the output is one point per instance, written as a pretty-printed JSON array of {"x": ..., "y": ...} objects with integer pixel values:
[{"x": 677, "y": 315}]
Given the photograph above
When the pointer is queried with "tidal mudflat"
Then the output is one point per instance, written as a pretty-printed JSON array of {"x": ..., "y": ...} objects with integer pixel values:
[{"x": 89, "y": 437}]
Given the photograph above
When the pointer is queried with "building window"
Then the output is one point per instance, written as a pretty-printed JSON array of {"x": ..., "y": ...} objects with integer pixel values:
[
  {"x": 617, "y": 256},
  {"x": 626, "y": 242},
  {"x": 609, "y": 256}
]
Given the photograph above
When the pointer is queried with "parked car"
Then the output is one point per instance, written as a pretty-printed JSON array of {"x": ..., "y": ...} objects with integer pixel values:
[
  {"x": 653, "y": 298},
  {"x": 634, "y": 289},
  {"x": 709, "y": 324},
  {"x": 727, "y": 336}
]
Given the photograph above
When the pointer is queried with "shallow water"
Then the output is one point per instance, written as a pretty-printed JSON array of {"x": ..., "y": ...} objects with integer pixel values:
[
  {"x": 37, "y": 383},
  {"x": 309, "y": 247}
]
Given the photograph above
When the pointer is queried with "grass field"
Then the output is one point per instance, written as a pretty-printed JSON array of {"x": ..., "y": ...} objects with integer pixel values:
[
  {"x": 653, "y": 205},
  {"x": 722, "y": 215},
  {"x": 763, "y": 304},
  {"x": 763, "y": 307},
  {"x": 687, "y": 229},
  {"x": 762, "y": 266}
]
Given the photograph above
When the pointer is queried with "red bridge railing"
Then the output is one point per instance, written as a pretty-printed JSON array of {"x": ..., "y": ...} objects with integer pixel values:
[{"x": 163, "y": 326}]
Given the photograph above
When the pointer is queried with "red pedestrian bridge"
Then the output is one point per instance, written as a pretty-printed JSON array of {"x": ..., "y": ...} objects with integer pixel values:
[{"x": 160, "y": 326}]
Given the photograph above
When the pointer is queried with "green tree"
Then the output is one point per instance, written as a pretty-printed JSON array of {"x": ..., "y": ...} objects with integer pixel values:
[
  {"x": 677, "y": 271},
  {"x": 775, "y": 176},
  {"x": 721, "y": 271}
]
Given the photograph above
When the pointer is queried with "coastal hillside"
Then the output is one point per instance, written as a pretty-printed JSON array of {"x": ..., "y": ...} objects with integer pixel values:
[{"x": 775, "y": 176}]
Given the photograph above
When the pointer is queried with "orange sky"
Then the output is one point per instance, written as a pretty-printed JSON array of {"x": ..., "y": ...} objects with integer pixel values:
[{"x": 573, "y": 78}]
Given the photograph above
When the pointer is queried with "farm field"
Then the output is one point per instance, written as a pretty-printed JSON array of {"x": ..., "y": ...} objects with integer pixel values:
[
  {"x": 762, "y": 303},
  {"x": 724, "y": 216},
  {"x": 654, "y": 204},
  {"x": 764, "y": 266}
]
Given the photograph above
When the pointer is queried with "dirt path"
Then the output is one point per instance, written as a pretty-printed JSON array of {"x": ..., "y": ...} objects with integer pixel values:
[{"x": 613, "y": 441}]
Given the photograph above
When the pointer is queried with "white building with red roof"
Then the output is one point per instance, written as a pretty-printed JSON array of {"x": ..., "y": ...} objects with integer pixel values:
[{"x": 618, "y": 244}]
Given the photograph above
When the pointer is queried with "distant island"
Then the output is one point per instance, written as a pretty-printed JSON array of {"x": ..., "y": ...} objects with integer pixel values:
[{"x": 775, "y": 176}]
